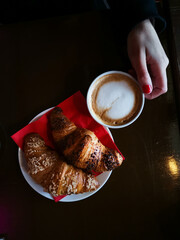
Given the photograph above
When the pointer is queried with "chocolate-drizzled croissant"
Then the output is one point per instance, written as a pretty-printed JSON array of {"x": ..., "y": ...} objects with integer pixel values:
[
  {"x": 47, "y": 168},
  {"x": 80, "y": 146}
]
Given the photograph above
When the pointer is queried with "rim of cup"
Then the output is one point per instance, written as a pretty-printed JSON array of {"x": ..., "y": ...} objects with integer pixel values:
[{"x": 88, "y": 100}]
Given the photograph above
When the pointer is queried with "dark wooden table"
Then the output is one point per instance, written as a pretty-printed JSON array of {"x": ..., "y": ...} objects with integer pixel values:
[
  {"x": 41, "y": 64},
  {"x": 172, "y": 12}
]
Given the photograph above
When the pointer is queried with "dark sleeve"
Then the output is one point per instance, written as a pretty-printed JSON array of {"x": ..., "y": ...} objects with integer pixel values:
[{"x": 131, "y": 12}]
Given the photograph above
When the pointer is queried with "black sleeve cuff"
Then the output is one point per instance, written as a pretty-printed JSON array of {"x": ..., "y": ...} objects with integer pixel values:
[{"x": 129, "y": 13}]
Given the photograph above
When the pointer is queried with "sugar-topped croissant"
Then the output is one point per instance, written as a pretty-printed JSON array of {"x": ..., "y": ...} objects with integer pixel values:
[
  {"x": 50, "y": 170},
  {"x": 80, "y": 146}
]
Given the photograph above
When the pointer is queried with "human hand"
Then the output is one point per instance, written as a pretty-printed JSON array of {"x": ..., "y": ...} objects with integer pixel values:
[{"x": 148, "y": 59}]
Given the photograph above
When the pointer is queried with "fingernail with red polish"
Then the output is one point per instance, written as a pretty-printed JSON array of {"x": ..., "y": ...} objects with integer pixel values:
[{"x": 147, "y": 89}]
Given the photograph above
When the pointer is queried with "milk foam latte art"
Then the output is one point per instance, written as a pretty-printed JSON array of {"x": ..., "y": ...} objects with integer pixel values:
[{"x": 115, "y": 99}]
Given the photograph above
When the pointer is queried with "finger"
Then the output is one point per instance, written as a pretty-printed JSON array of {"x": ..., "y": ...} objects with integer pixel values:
[
  {"x": 159, "y": 79},
  {"x": 139, "y": 64},
  {"x": 160, "y": 86}
]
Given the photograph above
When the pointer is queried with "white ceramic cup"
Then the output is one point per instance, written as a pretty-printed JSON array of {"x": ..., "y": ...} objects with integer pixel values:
[{"x": 89, "y": 102}]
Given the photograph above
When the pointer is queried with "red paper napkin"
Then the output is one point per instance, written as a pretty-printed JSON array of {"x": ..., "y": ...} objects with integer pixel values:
[{"x": 75, "y": 108}]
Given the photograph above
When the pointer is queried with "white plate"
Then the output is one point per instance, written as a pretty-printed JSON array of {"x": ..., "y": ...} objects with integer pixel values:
[{"x": 102, "y": 178}]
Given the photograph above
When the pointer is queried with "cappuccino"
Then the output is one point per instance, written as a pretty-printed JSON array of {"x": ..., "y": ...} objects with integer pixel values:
[{"x": 115, "y": 99}]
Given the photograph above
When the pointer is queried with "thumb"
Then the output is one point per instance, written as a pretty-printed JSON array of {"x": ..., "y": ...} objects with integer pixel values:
[{"x": 140, "y": 66}]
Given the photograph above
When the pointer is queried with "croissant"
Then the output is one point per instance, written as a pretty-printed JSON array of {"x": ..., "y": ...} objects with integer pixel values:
[
  {"x": 50, "y": 170},
  {"x": 80, "y": 146}
]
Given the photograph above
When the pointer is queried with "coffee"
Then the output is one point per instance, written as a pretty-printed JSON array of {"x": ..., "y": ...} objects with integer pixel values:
[{"x": 115, "y": 99}]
